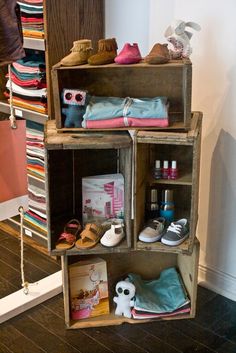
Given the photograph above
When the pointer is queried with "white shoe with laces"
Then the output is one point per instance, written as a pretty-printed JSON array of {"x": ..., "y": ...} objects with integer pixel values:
[
  {"x": 176, "y": 233},
  {"x": 153, "y": 231}
]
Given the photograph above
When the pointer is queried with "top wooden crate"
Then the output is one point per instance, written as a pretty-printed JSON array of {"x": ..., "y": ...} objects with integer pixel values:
[{"x": 173, "y": 80}]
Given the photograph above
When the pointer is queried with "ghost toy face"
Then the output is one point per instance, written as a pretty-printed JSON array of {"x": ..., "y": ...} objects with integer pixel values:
[{"x": 73, "y": 97}]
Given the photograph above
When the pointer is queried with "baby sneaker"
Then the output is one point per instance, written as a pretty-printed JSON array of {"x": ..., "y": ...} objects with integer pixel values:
[
  {"x": 176, "y": 233},
  {"x": 107, "y": 51},
  {"x": 130, "y": 54},
  {"x": 158, "y": 55},
  {"x": 113, "y": 236},
  {"x": 81, "y": 51},
  {"x": 153, "y": 231}
]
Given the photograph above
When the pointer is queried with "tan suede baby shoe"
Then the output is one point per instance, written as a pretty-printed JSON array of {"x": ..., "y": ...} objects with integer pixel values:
[
  {"x": 158, "y": 55},
  {"x": 107, "y": 51},
  {"x": 81, "y": 51}
]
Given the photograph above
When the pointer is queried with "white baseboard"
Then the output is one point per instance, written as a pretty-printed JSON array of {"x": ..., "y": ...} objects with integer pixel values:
[{"x": 217, "y": 281}]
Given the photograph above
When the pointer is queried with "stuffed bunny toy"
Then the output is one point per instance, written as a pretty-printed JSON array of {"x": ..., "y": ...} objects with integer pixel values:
[{"x": 177, "y": 35}]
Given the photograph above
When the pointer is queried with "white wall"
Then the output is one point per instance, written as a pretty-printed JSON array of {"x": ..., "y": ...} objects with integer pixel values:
[{"x": 214, "y": 93}]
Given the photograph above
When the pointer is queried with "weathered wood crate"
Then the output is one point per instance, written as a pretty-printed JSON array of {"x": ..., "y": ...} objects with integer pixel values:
[
  {"x": 148, "y": 266},
  {"x": 69, "y": 158},
  {"x": 173, "y": 80},
  {"x": 185, "y": 149}
]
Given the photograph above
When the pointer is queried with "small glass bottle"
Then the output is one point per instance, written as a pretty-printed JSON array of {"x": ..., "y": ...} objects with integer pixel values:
[
  {"x": 165, "y": 170},
  {"x": 152, "y": 206},
  {"x": 167, "y": 208},
  {"x": 157, "y": 172},
  {"x": 173, "y": 170}
]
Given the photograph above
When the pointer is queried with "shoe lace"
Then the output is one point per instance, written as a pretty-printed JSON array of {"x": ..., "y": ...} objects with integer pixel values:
[{"x": 176, "y": 228}]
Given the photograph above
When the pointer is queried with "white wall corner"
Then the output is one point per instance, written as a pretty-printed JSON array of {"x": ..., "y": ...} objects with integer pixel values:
[{"x": 217, "y": 281}]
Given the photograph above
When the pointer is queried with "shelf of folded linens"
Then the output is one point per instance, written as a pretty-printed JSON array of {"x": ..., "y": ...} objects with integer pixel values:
[
  {"x": 23, "y": 113},
  {"x": 34, "y": 43}
]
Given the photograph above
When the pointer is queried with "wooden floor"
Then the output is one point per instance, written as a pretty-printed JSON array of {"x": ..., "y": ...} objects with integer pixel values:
[{"x": 42, "y": 329}]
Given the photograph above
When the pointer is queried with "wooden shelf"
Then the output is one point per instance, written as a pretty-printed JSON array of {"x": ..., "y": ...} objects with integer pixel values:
[
  {"x": 182, "y": 180},
  {"x": 24, "y": 113},
  {"x": 112, "y": 319},
  {"x": 158, "y": 246},
  {"x": 98, "y": 249},
  {"x": 34, "y": 43}
]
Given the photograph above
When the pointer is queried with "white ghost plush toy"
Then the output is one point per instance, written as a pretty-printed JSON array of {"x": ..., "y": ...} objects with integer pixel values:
[{"x": 125, "y": 291}]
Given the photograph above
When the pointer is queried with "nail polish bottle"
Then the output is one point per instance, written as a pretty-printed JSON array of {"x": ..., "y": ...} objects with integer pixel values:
[
  {"x": 165, "y": 170},
  {"x": 157, "y": 172},
  {"x": 167, "y": 208},
  {"x": 173, "y": 170}
]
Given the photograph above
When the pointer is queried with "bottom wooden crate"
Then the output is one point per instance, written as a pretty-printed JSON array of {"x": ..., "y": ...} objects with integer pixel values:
[{"x": 149, "y": 266}]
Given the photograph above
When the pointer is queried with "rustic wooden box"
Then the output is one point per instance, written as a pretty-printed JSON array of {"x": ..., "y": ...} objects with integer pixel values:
[
  {"x": 148, "y": 266},
  {"x": 185, "y": 149},
  {"x": 69, "y": 158},
  {"x": 173, "y": 80}
]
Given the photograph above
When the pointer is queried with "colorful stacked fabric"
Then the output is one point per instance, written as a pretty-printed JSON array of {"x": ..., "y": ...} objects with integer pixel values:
[
  {"x": 113, "y": 112},
  {"x": 32, "y": 18},
  {"x": 36, "y": 214},
  {"x": 29, "y": 83},
  {"x": 162, "y": 297}
]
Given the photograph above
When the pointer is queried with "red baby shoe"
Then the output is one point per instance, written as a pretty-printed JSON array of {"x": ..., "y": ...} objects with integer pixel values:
[{"x": 130, "y": 54}]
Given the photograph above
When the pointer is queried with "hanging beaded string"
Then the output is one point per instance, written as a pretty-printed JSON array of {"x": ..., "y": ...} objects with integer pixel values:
[
  {"x": 11, "y": 117},
  {"x": 25, "y": 284}
]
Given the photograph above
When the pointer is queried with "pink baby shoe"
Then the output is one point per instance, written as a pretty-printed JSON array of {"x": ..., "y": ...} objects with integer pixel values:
[{"x": 130, "y": 54}]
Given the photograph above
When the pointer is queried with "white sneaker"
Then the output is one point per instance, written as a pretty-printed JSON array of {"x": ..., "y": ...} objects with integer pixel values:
[
  {"x": 153, "y": 231},
  {"x": 113, "y": 236}
]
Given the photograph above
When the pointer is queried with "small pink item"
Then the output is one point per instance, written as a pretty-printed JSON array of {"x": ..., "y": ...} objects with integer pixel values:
[{"x": 130, "y": 54}]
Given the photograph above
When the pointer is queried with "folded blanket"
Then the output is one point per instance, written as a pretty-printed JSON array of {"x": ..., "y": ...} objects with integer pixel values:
[
  {"x": 125, "y": 121},
  {"x": 102, "y": 108},
  {"x": 164, "y": 294}
]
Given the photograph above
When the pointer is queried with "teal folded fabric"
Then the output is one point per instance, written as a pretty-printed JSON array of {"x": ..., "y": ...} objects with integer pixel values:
[
  {"x": 164, "y": 294},
  {"x": 103, "y": 108}
]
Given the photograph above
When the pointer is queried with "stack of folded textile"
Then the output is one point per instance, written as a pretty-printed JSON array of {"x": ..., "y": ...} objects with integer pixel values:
[
  {"x": 36, "y": 214},
  {"x": 162, "y": 297},
  {"x": 29, "y": 83},
  {"x": 113, "y": 112},
  {"x": 32, "y": 18}
]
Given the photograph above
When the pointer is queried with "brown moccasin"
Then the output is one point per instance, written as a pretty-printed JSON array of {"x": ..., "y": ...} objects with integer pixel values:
[
  {"x": 158, "y": 55},
  {"x": 107, "y": 51}
]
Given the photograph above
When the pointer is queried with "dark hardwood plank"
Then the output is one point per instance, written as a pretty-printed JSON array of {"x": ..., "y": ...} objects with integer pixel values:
[
  {"x": 40, "y": 336},
  {"x": 209, "y": 313},
  {"x": 204, "y": 295},
  {"x": 4, "y": 349},
  {"x": 17, "y": 342},
  {"x": 6, "y": 287},
  {"x": 56, "y": 325},
  {"x": 45, "y": 263},
  {"x": 113, "y": 341},
  {"x": 227, "y": 347},
  {"x": 143, "y": 338},
  {"x": 226, "y": 327},
  {"x": 32, "y": 272},
  {"x": 199, "y": 334}
]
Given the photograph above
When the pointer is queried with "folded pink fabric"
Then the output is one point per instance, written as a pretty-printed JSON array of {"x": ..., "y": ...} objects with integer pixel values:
[{"x": 125, "y": 122}]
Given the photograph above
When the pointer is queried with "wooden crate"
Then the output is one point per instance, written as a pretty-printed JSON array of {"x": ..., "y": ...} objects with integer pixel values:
[
  {"x": 173, "y": 80},
  {"x": 185, "y": 149},
  {"x": 148, "y": 266},
  {"x": 69, "y": 158}
]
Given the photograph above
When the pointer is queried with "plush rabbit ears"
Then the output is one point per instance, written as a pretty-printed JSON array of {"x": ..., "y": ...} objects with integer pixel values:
[{"x": 179, "y": 27}]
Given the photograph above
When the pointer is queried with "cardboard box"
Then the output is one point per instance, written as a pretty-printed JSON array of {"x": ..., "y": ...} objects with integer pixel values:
[
  {"x": 103, "y": 197},
  {"x": 88, "y": 289}
]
